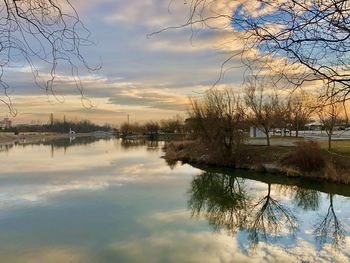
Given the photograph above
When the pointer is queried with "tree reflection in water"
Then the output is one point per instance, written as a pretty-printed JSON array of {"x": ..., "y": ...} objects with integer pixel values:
[
  {"x": 330, "y": 228},
  {"x": 268, "y": 217},
  {"x": 224, "y": 200},
  {"x": 152, "y": 145},
  {"x": 307, "y": 199}
]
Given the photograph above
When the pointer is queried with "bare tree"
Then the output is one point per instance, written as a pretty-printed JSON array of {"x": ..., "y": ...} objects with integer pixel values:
[
  {"x": 218, "y": 119},
  {"x": 312, "y": 36},
  {"x": 41, "y": 34},
  {"x": 173, "y": 125},
  {"x": 330, "y": 116},
  {"x": 264, "y": 108},
  {"x": 301, "y": 107},
  {"x": 282, "y": 113},
  {"x": 151, "y": 128},
  {"x": 130, "y": 129}
]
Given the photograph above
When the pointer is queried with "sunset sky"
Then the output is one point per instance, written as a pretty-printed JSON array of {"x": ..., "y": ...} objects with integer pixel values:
[{"x": 149, "y": 78}]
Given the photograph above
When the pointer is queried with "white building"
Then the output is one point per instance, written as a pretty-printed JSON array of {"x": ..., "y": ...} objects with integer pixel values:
[
  {"x": 6, "y": 123},
  {"x": 256, "y": 133},
  {"x": 315, "y": 126}
]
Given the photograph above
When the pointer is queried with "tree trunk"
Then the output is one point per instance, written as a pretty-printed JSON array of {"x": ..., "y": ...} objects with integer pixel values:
[
  {"x": 329, "y": 142},
  {"x": 297, "y": 133},
  {"x": 297, "y": 130},
  {"x": 268, "y": 138}
]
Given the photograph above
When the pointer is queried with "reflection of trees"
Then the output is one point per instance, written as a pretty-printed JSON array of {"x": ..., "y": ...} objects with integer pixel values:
[
  {"x": 268, "y": 218},
  {"x": 152, "y": 145},
  {"x": 55, "y": 144},
  {"x": 171, "y": 163},
  {"x": 222, "y": 199},
  {"x": 6, "y": 147},
  {"x": 225, "y": 202},
  {"x": 132, "y": 143},
  {"x": 330, "y": 227},
  {"x": 307, "y": 199},
  {"x": 67, "y": 142}
]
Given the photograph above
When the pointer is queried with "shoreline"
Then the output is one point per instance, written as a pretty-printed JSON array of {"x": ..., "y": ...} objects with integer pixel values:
[
  {"x": 267, "y": 160},
  {"x": 7, "y": 138},
  {"x": 279, "y": 179}
]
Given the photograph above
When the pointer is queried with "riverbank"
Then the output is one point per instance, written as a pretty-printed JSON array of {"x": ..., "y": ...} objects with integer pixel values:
[
  {"x": 302, "y": 160},
  {"x": 7, "y": 138}
]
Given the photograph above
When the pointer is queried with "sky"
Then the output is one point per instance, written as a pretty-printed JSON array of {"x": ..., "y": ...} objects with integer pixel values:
[{"x": 149, "y": 78}]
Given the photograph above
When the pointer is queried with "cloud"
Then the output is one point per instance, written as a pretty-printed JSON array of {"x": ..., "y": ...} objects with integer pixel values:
[
  {"x": 139, "y": 75},
  {"x": 150, "y": 97},
  {"x": 172, "y": 216},
  {"x": 180, "y": 246},
  {"x": 25, "y": 183},
  {"x": 149, "y": 13},
  {"x": 49, "y": 254}
]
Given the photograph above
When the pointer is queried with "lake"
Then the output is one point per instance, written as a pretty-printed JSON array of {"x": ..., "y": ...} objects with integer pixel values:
[{"x": 107, "y": 200}]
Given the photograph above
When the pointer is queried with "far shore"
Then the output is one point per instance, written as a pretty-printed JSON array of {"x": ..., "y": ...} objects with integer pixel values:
[{"x": 7, "y": 138}]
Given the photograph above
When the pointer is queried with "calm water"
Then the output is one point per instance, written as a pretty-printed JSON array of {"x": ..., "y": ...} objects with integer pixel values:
[{"x": 109, "y": 201}]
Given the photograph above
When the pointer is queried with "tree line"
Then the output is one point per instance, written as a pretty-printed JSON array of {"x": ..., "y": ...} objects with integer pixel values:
[
  {"x": 222, "y": 118},
  {"x": 58, "y": 126},
  {"x": 169, "y": 126}
]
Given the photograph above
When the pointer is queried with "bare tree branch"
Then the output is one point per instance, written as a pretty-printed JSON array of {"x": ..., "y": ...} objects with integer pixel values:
[
  {"x": 291, "y": 43},
  {"x": 42, "y": 34}
]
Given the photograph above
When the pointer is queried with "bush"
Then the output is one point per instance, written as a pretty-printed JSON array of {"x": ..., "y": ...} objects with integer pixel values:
[{"x": 307, "y": 157}]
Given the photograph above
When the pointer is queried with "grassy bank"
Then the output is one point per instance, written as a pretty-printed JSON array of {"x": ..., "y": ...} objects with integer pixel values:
[
  {"x": 341, "y": 147},
  {"x": 307, "y": 159}
]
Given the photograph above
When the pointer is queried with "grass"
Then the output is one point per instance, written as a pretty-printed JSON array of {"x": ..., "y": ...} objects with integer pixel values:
[
  {"x": 196, "y": 152},
  {"x": 286, "y": 138},
  {"x": 280, "y": 138},
  {"x": 261, "y": 153},
  {"x": 340, "y": 147}
]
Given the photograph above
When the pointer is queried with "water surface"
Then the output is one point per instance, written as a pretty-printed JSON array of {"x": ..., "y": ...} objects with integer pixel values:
[{"x": 94, "y": 200}]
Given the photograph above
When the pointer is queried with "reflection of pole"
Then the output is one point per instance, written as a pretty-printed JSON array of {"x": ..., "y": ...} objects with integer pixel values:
[
  {"x": 52, "y": 151},
  {"x": 128, "y": 118}
]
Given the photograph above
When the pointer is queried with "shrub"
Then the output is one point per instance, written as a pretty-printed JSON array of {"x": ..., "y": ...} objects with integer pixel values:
[{"x": 307, "y": 157}]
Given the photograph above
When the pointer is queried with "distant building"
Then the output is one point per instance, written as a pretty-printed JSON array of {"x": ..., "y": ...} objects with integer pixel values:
[
  {"x": 256, "y": 133},
  {"x": 314, "y": 126},
  {"x": 6, "y": 123}
]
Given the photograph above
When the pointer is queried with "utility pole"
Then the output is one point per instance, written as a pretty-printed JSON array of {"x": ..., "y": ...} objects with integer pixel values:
[
  {"x": 127, "y": 115},
  {"x": 51, "y": 119}
]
